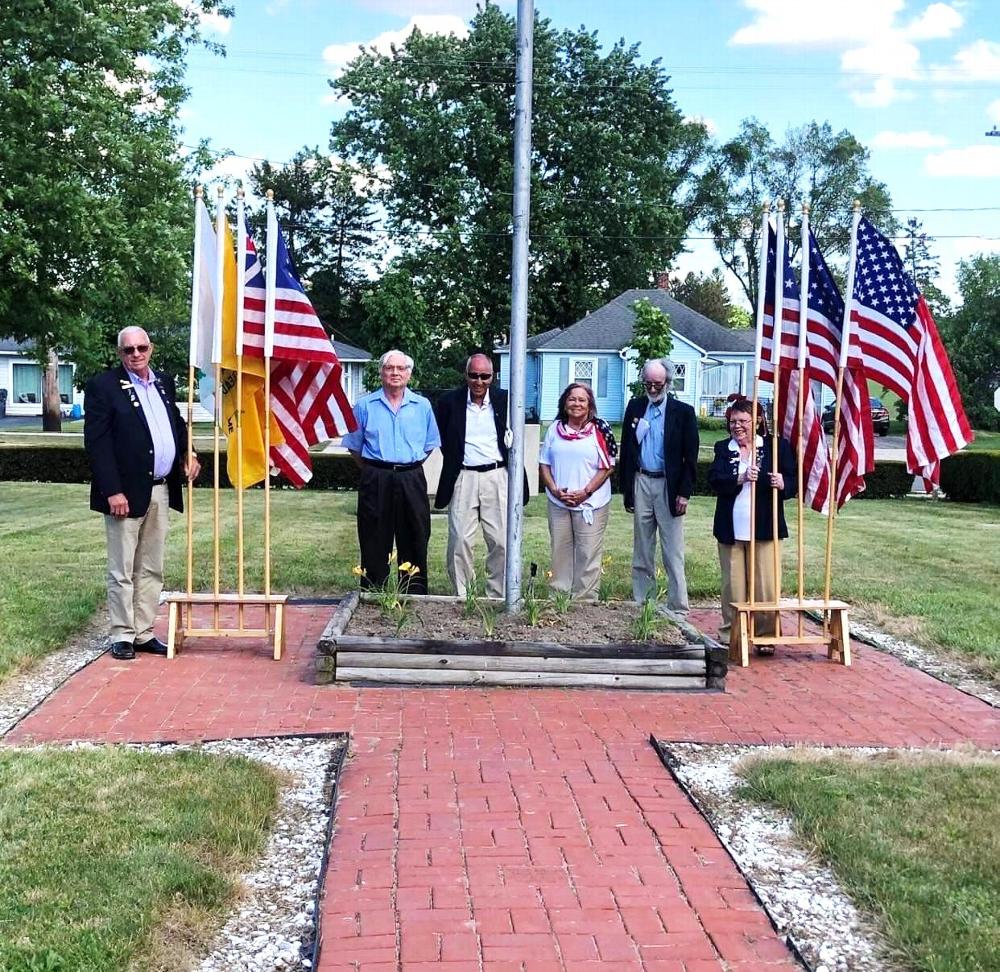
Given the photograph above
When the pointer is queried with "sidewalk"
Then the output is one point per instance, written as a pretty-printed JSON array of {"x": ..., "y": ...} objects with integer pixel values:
[{"x": 520, "y": 830}]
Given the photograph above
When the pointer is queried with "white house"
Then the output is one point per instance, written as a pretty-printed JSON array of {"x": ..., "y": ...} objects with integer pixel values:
[{"x": 21, "y": 377}]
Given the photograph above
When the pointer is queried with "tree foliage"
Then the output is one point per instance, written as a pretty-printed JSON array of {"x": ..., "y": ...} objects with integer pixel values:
[
  {"x": 612, "y": 192},
  {"x": 972, "y": 337},
  {"x": 924, "y": 267},
  {"x": 814, "y": 165},
  {"x": 707, "y": 294},
  {"x": 95, "y": 202},
  {"x": 651, "y": 336}
]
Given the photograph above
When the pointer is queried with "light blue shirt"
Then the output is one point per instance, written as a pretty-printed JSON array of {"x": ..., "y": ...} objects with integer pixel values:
[
  {"x": 403, "y": 436},
  {"x": 162, "y": 432},
  {"x": 651, "y": 447}
]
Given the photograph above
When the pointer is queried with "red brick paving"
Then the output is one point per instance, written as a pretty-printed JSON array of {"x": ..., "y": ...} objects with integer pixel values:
[{"x": 520, "y": 830}]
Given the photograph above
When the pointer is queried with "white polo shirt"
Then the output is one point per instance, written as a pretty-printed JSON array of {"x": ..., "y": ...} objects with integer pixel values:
[{"x": 480, "y": 434}]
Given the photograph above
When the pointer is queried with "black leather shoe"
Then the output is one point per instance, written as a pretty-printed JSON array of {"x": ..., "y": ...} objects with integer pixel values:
[
  {"x": 123, "y": 651},
  {"x": 153, "y": 647}
]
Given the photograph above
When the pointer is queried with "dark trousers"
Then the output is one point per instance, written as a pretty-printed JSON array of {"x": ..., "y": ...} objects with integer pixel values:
[{"x": 393, "y": 507}]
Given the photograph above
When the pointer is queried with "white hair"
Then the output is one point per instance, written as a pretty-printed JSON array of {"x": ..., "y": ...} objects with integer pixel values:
[
  {"x": 125, "y": 330},
  {"x": 665, "y": 363},
  {"x": 399, "y": 354}
]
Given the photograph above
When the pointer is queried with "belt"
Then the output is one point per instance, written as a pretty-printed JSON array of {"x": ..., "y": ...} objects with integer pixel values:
[
  {"x": 394, "y": 466},
  {"x": 659, "y": 474},
  {"x": 488, "y": 467},
  {"x": 162, "y": 481}
]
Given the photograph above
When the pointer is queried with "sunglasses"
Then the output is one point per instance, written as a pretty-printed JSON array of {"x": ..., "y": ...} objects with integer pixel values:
[
  {"x": 135, "y": 349},
  {"x": 479, "y": 375}
]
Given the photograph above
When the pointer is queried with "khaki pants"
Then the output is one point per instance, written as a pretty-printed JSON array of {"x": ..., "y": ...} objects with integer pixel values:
[
  {"x": 135, "y": 569},
  {"x": 734, "y": 559},
  {"x": 576, "y": 549},
  {"x": 652, "y": 514},
  {"x": 479, "y": 500}
]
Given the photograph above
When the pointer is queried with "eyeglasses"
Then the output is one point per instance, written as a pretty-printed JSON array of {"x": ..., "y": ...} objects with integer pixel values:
[
  {"x": 395, "y": 368},
  {"x": 653, "y": 384},
  {"x": 739, "y": 425},
  {"x": 479, "y": 375},
  {"x": 135, "y": 349}
]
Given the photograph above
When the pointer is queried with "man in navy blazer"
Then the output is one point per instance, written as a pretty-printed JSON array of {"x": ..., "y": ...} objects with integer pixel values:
[
  {"x": 659, "y": 461},
  {"x": 137, "y": 445},
  {"x": 472, "y": 420}
]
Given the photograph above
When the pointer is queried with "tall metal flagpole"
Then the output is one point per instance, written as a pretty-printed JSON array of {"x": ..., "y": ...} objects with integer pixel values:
[
  {"x": 800, "y": 403},
  {"x": 270, "y": 297},
  {"x": 757, "y": 353},
  {"x": 845, "y": 344},
  {"x": 220, "y": 287},
  {"x": 779, "y": 311},
  {"x": 519, "y": 299},
  {"x": 241, "y": 248},
  {"x": 192, "y": 354}
]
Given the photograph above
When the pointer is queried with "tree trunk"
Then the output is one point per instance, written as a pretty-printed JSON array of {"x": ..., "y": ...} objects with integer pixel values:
[{"x": 51, "y": 404}]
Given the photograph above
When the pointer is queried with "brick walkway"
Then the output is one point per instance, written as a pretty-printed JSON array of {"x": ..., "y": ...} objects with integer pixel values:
[{"x": 520, "y": 830}]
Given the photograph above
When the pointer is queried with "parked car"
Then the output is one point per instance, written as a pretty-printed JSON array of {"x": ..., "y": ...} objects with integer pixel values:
[{"x": 880, "y": 418}]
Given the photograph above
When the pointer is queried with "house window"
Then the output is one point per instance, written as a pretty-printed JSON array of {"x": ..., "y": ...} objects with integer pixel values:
[
  {"x": 28, "y": 383},
  {"x": 583, "y": 371},
  {"x": 679, "y": 384}
]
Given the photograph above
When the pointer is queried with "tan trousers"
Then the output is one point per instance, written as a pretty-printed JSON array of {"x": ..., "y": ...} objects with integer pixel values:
[
  {"x": 734, "y": 559},
  {"x": 652, "y": 514},
  {"x": 576, "y": 549},
  {"x": 479, "y": 501},
  {"x": 135, "y": 569}
]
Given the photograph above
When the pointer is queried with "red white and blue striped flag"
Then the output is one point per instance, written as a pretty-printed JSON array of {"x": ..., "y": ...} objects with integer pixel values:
[
  {"x": 903, "y": 350},
  {"x": 307, "y": 394}
]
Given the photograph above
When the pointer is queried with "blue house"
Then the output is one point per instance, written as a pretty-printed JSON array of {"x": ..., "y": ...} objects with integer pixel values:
[{"x": 711, "y": 361}]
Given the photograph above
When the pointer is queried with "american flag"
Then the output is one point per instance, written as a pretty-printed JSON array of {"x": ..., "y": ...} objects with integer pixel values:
[
  {"x": 307, "y": 395},
  {"x": 902, "y": 349},
  {"x": 856, "y": 445},
  {"x": 816, "y": 473}
]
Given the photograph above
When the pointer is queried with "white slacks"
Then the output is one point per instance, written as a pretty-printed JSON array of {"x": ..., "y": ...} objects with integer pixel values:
[{"x": 479, "y": 501}]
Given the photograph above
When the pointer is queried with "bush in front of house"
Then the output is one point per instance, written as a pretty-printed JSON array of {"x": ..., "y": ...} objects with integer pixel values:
[{"x": 972, "y": 477}]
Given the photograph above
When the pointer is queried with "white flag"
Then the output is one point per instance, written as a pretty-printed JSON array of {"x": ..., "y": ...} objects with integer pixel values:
[{"x": 203, "y": 301}]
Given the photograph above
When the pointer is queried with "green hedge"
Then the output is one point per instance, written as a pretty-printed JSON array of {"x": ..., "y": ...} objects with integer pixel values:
[
  {"x": 68, "y": 464},
  {"x": 972, "y": 477}
]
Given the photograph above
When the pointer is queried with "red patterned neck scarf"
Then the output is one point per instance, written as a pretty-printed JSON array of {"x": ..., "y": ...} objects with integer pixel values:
[{"x": 564, "y": 431}]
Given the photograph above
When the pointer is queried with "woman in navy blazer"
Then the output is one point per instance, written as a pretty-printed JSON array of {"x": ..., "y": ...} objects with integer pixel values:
[{"x": 739, "y": 461}]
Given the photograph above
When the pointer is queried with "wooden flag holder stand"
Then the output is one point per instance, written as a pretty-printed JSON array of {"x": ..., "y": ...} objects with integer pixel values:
[
  {"x": 837, "y": 636},
  {"x": 272, "y": 629}
]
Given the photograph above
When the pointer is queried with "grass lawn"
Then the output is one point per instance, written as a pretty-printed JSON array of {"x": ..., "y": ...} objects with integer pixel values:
[
  {"x": 112, "y": 859},
  {"x": 927, "y": 571},
  {"x": 913, "y": 840}
]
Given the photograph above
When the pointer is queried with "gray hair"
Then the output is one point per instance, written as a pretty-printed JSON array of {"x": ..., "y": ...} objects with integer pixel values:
[
  {"x": 665, "y": 363},
  {"x": 399, "y": 354},
  {"x": 119, "y": 341}
]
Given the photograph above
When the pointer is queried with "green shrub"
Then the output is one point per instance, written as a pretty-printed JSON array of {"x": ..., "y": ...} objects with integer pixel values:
[{"x": 972, "y": 477}]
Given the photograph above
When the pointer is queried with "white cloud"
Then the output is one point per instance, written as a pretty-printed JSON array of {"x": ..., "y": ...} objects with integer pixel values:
[
  {"x": 993, "y": 111},
  {"x": 409, "y": 8},
  {"x": 708, "y": 123},
  {"x": 337, "y": 56},
  {"x": 979, "y": 61},
  {"x": 812, "y": 22},
  {"x": 939, "y": 20},
  {"x": 971, "y": 162},
  {"x": 226, "y": 170},
  {"x": 890, "y": 57},
  {"x": 908, "y": 140},
  {"x": 212, "y": 23},
  {"x": 882, "y": 94}
]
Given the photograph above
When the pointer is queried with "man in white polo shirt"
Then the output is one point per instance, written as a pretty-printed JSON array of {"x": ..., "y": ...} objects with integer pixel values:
[{"x": 472, "y": 420}]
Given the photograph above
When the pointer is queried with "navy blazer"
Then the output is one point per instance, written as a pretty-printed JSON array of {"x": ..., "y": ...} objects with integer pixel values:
[
  {"x": 450, "y": 413},
  {"x": 722, "y": 476},
  {"x": 680, "y": 450},
  {"x": 119, "y": 444}
]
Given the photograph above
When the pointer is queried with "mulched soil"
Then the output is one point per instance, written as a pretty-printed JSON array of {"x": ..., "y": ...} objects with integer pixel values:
[{"x": 583, "y": 624}]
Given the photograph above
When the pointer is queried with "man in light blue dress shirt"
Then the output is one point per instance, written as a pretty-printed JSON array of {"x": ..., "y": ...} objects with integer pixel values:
[{"x": 396, "y": 432}]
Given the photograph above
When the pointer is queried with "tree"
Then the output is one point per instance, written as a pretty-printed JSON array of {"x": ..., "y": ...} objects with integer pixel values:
[
  {"x": 707, "y": 294},
  {"x": 651, "y": 337},
  {"x": 612, "y": 166},
  {"x": 972, "y": 337},
  {"x": 330, "y": 228},
  {"x": 923, "y": 266},
  {"x": 814, "y": 164},
  {"x": 95, "y": 213}
]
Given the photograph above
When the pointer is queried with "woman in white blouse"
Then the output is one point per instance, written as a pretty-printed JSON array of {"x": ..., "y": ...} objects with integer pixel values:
[{"x": 575, "y": 462}]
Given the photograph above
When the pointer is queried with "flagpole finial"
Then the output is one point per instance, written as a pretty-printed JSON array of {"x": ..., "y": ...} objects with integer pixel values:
[
  {"x": 857, "y": 205},
  {"x": 781, "y": 205},
  {"x": 805, "y": 209},
  {"x": 199, "y": 191},
  {"x": 270, "y": 195},
  {"x": 240, "y": 193},
  {"x": 219, "y": 190},
  {"x": 766, "y": 205}
]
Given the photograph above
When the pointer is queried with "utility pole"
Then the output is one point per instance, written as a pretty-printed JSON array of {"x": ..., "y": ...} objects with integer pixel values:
[{"x": 519, "y": 300}]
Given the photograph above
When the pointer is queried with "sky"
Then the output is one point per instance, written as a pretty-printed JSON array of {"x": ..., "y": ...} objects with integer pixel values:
[{"x": 916, "y": 82}]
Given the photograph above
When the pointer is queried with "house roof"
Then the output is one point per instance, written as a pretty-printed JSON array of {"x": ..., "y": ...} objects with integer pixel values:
[
  {"x": 609, "y": 328},
  {"x": 535, "y": 341},
  {"x": 348, "y": 352},
  {"x": 17, "y": 347}
]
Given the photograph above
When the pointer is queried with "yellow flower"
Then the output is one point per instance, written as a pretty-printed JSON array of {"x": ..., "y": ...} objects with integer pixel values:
[
  {"x": 414, "y": 570},
  {"x": 406, "y": 568},
  {"x": 548, "y": 575},
  {"x": 358, "y": 570},
  {"x": 392, "y": 556}
]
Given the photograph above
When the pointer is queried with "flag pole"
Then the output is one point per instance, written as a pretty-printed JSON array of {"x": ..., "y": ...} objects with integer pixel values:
[
  {"x": 270, "y": 295},
  {"x": 845, "y": 345},
  {"x": 800, "y": 403},
  {"x": 192, "y": 354},
  {"x": 220, "y": 235},
  {"x": 757, "y": 353},
  {"x": 779, "y": 310},
  {"x": 241, "y": 247}
]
